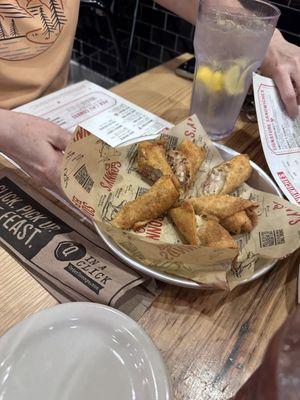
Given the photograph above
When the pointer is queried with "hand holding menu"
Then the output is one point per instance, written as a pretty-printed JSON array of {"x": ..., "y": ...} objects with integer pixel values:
[
  {"x": 280, "y": 137},
  {"x": 110, "y": 117}
]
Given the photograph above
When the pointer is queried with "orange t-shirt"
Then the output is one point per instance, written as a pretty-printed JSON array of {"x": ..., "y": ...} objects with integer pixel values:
[{"x": 36, "y": 39}]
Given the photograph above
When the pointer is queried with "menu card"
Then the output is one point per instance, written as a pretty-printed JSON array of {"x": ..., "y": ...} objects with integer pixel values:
[
  {"x": 280, "y": 137},
  {"x": 109, "y": 116}
]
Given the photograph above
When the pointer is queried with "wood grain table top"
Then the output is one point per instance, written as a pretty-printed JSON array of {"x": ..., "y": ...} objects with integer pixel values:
[{"x": 211, "y": 341}]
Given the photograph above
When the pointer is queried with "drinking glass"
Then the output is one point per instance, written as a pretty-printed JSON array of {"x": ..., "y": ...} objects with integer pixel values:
[{"x": 230, "y": 42}]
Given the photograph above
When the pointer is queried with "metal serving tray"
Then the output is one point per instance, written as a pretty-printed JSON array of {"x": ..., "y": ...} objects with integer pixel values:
[{"x": 259, "y": 180}]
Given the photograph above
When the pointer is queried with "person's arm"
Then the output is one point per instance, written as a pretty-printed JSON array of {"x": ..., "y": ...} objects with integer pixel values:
[
  {"x": 281, "y": 63},
  {"x": 186, "y": 9},
  {"x": 34, "y": 144}
]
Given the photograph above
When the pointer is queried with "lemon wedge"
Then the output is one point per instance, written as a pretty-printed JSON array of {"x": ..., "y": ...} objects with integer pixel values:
[
  {"x": 241, "y": 84},
  {"x": 235, "y": 76},
  {"x": 241, "y": 62},
  {"x": 217, "y": 81},
  {"x": 204, "y": 74},
  {"x": 232, "y": 80},
  {"x": 244, "y": 76},
  {"x": 213, "y": 80}
]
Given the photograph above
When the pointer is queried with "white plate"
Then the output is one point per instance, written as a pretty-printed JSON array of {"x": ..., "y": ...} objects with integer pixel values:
[
  {"x": 80, "y": 351},
  {"x": 258, "y": 180}
]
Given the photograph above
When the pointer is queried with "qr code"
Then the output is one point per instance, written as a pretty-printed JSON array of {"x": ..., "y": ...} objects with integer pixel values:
[
  {"x": 271, "y": 238},
  {"x": 83, "y": 178}
]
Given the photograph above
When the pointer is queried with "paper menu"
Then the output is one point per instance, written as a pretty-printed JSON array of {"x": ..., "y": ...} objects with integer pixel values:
[
  {"x": 105, "y": 114},
  {"x": 280, "y": 137}
]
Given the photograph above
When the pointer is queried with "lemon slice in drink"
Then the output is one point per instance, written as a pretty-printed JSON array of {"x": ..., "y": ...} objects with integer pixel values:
[
  {"x": 241, "y": 62},
  {"x": 232, "y": 80},
  {"x": 204, "y": 74},
  {"x": 235, "y": 76},
  {"x": 244, "y": 76},
  {"x": 213, "y": 80},
  {"x": 217, "y": 81}
]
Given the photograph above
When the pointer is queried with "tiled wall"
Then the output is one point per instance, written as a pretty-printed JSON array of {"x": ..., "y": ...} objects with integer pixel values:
[
  {"x": 159, "y": 36},
  {"x": 289, "y": 22}
]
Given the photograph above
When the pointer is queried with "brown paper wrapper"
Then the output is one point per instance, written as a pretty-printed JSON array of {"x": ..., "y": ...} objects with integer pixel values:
[{"x": 99, "y": 180}]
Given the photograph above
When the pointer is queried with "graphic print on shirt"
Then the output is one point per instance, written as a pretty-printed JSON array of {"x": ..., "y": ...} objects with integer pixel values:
[{"x": 29, "y": 27}]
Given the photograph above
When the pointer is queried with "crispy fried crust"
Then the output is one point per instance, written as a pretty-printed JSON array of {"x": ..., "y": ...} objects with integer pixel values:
[
  {"x": 228, "y": 176},
  {"x": 152, "y": 162},
  {"x": 221, "y": 206},
  {"x": 150, "y": 205},
  {"x": 186, "y": 161},
  {"x": 212, "y": 234},
  {"x": 195, "y": 154},
  {"x": 185, "y": 220},
  {"x": 200, "y": 230},
  {"x": 239, "y": 223}
]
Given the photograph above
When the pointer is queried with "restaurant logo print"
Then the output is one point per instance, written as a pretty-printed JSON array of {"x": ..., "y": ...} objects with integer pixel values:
[
  {"x": 27, "y": 227},
  {"x": 29, "y": 27}
]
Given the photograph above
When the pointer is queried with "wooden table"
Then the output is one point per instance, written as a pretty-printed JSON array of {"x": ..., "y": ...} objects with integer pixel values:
[{"x": 211, "y": 341}]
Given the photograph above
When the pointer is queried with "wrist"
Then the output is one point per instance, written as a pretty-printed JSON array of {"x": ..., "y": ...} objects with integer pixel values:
[
  {"x": 12, "y": 125},
  {"x": 277, "y": 38}
]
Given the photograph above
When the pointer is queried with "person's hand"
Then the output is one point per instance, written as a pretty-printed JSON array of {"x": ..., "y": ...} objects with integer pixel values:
[
  {"x": 282, "y": 64},
  {"x": 35, "y": 144}
]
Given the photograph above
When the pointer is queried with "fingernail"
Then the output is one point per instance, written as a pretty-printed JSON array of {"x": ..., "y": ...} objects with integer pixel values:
[{"x": 293, "y": 114}]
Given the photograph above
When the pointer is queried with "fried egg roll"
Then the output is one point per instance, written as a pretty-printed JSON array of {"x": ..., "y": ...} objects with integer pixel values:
[
  {"x": 240, "y": 222},
  {"x": 152, "y": 161},
  {"x": 185, "y": 162},
  {"x": 221, "y": 206},
  {"x": 228, "y": 176},
  {"x": 150, "y": 205},
  {"x": 184, "y": 219},
  {"x": 200, "y": 230},
  {"x": 212, "y": 234}
]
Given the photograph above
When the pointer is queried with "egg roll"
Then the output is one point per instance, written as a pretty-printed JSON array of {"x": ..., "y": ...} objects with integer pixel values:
[
  {"x": 240, "y": 222},
  {"x": 228, "y": 176},
  {"x": 184, "y": 219},
  {"x": 212, "y": 234},
  {"x": 185, "y": 162},
  {"x": 150, "y": 205},
  {"x": 152, "y": 161},
  {"x": 200, "y": 230},
  {"x": 221, "y": 206}
]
